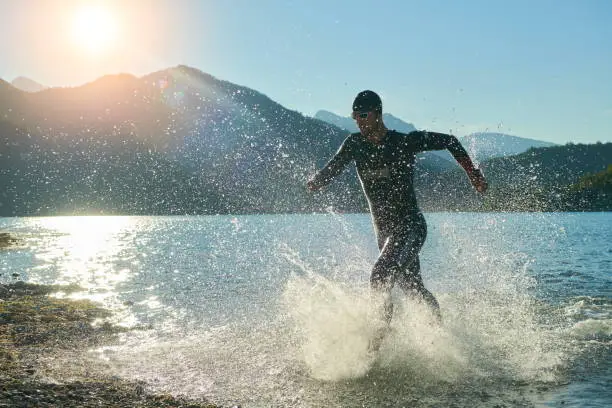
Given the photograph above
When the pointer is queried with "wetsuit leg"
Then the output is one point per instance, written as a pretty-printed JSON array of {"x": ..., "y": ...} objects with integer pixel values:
[
  {"x": 411, "y": 282},
  {"x": 383, "y": 276},
  {"x": 399, "y": 261},
  {"x": 400, "y": 247}
]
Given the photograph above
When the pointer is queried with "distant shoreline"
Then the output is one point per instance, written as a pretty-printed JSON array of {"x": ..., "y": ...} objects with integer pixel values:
[{"x": 242, "y": 214}]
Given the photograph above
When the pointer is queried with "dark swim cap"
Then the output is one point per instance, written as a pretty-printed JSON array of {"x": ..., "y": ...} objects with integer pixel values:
[{"x": 367, "y": 101}]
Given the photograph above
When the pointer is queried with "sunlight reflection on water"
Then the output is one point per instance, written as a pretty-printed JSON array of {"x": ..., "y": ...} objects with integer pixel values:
[
  {"x": 81, "y": 249},
  {"x": 87, "y": 252}
]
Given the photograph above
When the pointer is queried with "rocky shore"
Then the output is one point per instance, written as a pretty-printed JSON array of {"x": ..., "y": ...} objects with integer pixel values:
[{"x": 35, "y": 326}]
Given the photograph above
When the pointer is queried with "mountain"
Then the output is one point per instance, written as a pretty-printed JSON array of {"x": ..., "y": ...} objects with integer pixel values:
[
  {"x": 173, "y": 142},
  {"x": 180, "y": 141},
  {"x": 27, "y": 85},
  {"x": 593, "y": 192},
  {"x": 349, "y": 123},
  {"x": 557, "y": 178},
  {"x": 343, "y": 122},
  {"x": 542, "y": 178},
  {"x": 484, "y": 146}
]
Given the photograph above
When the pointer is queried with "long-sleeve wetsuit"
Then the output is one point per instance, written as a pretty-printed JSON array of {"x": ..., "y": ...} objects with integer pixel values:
[{"x": 386, "y": 173}]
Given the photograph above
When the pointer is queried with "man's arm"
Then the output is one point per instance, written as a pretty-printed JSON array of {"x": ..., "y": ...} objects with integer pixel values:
[
  {"x": 333, "y": 168},
  {"x": 441, "y": 141},
  {"x": 475, "y": 174}
]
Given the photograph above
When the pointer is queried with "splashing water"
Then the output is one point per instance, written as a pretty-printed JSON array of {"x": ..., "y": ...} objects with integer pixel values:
[
  {"x": 333, "y": 323},
  {"x": 484, "y": 334},
  {"x": 305, "y": 318}
]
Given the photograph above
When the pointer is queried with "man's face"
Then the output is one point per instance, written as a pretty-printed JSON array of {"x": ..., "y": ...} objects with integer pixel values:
[{"x": 366, "y": 121}]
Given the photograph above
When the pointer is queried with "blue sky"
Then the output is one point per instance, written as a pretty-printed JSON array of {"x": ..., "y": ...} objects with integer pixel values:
[{"x": 538, "y": 69}]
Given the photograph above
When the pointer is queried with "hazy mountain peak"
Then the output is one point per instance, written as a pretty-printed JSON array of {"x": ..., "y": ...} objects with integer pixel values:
[
  {"x": 395, "y": 123},
  {"x": 348, "y": 123},
  {"x": 27, "y": 84},
  {"x": 500, "y": 136},
  {"x": 483, "y": 146},
  {"x": 190, "y": 71}
]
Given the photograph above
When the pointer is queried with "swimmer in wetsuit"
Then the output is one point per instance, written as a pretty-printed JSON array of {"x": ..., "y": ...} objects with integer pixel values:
[{"x": 385, "y": 161}]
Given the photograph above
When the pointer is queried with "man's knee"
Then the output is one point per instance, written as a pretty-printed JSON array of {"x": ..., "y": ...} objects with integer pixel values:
[
  {"x": 383, "y": 273},
  {"x": 381, "y": 280}
]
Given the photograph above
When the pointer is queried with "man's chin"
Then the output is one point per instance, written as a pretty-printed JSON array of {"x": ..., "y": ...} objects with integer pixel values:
[{"x": 366, "y": 131}]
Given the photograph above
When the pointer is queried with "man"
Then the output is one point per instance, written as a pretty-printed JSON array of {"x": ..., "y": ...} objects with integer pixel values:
[{"x": 385, "y": 161}]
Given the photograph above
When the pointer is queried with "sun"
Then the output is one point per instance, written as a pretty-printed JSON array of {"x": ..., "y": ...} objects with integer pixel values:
[{"x": 94, "y": 29}]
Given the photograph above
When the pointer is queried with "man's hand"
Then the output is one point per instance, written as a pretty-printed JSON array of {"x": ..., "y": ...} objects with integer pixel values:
[
  {"x": 478, "y": 181},
  {"x": 312, "y": 186}
]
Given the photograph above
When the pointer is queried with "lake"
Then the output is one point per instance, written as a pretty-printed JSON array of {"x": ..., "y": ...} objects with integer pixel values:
[{"x": 274, "y": 310}]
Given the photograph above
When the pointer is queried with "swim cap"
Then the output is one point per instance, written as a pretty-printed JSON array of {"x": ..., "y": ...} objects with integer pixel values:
[{"x": 367, "y": 101}]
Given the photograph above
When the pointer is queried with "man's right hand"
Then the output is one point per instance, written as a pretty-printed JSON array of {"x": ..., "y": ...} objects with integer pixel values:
[{"x": 312, "y": 186}]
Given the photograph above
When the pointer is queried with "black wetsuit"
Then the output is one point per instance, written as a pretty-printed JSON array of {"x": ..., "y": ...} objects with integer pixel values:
[{"x": 386, "y": 173}]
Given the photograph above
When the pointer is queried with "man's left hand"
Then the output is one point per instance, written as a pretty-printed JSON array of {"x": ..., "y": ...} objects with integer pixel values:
[{"x": 478, "y": 181}]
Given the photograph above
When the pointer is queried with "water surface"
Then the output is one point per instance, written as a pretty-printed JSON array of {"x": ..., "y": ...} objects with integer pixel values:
[{"x": 273, "y": 310}]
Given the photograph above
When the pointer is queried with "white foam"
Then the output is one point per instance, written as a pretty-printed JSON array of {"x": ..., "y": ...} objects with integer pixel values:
[{"x": 334, "y": 324}]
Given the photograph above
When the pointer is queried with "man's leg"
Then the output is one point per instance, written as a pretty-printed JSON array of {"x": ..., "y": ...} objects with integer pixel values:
[
  {"x": 411, "y": 282},
  {"x": 383, "y": 276},
  {"x": 399, "y": 252},
  {"x": 409, "y": 275},
  {"x": 381, "y": 282}
]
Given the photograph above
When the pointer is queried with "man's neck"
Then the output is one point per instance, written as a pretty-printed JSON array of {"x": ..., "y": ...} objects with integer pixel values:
[{"x": 378, "y": 134}]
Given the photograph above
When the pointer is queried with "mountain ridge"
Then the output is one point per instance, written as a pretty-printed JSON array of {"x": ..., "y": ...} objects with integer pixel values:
[{"x": 180, "y": 141}]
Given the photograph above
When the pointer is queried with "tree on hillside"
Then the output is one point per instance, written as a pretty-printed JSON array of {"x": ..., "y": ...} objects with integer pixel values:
[{"x": 593, "y": 192}]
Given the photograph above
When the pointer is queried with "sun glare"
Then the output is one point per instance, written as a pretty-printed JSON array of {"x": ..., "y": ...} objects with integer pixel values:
[
  {"x": 94, "y": 29},
  {"x": 83, "y": 249}
]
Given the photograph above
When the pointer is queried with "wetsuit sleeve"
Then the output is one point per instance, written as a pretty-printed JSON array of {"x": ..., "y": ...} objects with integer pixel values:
[
  {"x": 440, "y": 141},
  {"x": 334, "y": 167}
]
